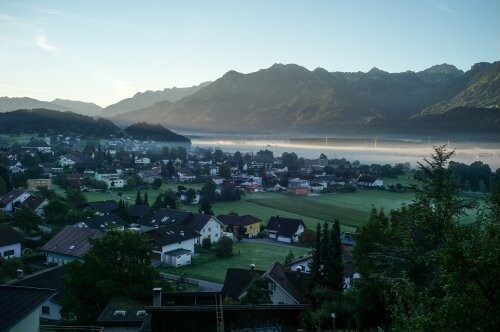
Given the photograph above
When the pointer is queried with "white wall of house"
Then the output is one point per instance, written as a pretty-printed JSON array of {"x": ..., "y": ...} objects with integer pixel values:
[
  {"x": 187, "y": 244},
  {"x": 63, "y": 161},
  {"x": 21, "y": 198},
  {"x": 304, "y": 266},
  {"x": 50, "y": 310},
  {"x": 30, "y": 323},
  {"x": 279, "y": 295},
  {"x": 10, "y": 251},
  {"x": 213, "y": 229}
]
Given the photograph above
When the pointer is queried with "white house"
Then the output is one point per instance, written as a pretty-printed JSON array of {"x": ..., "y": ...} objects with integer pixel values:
[
  {"x": 173, "y": 244},
  {"x": 67, "y": 160},
  {"x": 24, "y": 304},
  {"x": 9, "y": 200},
  {"x": 10, "y": 242},
  {"x": 206, "y": 225},
  {"x": 113, "y": 180},
  {"x": 285, "y": 229},
  {"x": 369, "y": 181},
  {"x": 143, "y": 161}
]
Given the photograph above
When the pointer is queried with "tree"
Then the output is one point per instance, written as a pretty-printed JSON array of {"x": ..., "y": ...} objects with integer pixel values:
[
  {"x": 225, "y": 171},
  {"x": 190, "y": 195},
  {"x": 208, "y": 191},
  {"x": 224, "y": 247},
  {"x": 206, "y": 243},
  {"x": 145, "y": 200},
  {"x": 26, "y": 219},
  {"x": 156, "y": 183},
  {"x": 138, "y": 199},
  {"x": 334, "y": 273},
  {"x": 205, "y": 207},
  {"x": 316, "y": 260},
  {"x": 119, "y": 264},
  {"x": 289, "y": 258},
  {"x": 76, "y": 197},
  {"x": 4, "y": 174},
  {"x": 56, "y": 211},
  {"x": 3, "y": 187},
  {"x": 258, "y": 292}
]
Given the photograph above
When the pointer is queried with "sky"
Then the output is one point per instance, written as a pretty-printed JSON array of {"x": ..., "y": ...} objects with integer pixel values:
[{"x": 104, "y": 51}]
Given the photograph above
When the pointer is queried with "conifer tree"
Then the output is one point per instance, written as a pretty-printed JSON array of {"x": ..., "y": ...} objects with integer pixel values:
[
  {"x": 315, "y": 265},
  {"x": 145, "y": 200},
  {"x": 336, "y": 268},
  {"x": 138, "y": 200}
]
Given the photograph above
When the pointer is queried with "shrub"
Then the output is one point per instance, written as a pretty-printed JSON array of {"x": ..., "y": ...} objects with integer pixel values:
[
  {"x": 224, "y": 247},
  {"x": 206, "y": 244}
]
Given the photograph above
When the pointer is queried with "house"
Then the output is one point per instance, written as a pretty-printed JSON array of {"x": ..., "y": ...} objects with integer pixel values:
[
  {"x": 369, "y": 181},
  {"x": 102, "y": 222},
  {"x": 318, "y": 187},
  {"x": 51, "y": 278},
  {"x": 20, "y": 306},
  {"x": 102, "y": 208},
  {"x": 10, "y": 242},
  {"x": 38, "y": 145},
  {"x": 137, "y": 212},
  {"x": 113, "y": 180},
  {"x": 36, "y": 204},
  {"x": 12, "y": 198},
  {"x": 77, "y": 160},
  {"x": 34, "y": 184},
  {"x": 173, "y": 244},
  {"x": 298, "y": 187},
  {"x": 286, "y": 286},
  {"x": 233, "y": 224},
  {"x": 125, "y": 314},
  {"x": 206, "y": 225},
  {"x": 143, "y": 161},
  {"x": 71, "y": 243},
  {"x": 285, "y": 229}
]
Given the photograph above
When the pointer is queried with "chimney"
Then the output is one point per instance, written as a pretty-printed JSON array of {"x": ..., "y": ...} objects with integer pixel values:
[
  {"x": 20, "y": 274},
  {"x": 157, "y": 297},
  {"x": 252, "y": 267}
]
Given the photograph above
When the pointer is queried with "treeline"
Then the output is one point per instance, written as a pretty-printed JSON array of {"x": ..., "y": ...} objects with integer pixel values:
[
  {"x": 145, "y": 131},
  {"x": 473, "y": 177},
  {"x": 43, "y": 121}
]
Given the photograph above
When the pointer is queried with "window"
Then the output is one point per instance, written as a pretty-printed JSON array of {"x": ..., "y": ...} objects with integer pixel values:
[
  {"x": 209, "y": 229},
  {"x": 8, "y": 253},
  {"x": 45, "y": 310},
  {"x": 272, "y": 286}
]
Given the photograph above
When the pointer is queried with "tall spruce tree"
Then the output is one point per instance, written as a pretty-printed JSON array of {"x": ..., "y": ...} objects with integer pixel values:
[
  {"x": 145, "y": 200},
  {"x": 336, "y": 268},
  {"x": 138, "y": 199},
  {"x": 316, "y": 261}
]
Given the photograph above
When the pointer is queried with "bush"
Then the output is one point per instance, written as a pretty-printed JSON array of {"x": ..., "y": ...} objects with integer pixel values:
[
  {"x": 308, "y": 236},
  {"x": 206, "y": 244},
  {"x": 224, "y": 247}
]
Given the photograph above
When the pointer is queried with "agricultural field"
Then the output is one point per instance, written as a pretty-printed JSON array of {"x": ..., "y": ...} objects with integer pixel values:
[{"x": 207, "y": 266}]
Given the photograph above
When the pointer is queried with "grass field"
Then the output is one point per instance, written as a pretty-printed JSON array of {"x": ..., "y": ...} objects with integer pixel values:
[{"x": 209, "y": 267}]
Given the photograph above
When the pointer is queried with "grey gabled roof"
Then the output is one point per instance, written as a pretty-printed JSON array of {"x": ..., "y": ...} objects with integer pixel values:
[
  {"x": 172, "y": 233},
  {"x": 49, "y": 278},
  {"x": 104, "y": 206},
  {"x": 18, "y": 302},
  {"x": 72, "y": 241},
  {"x": 284, "y": 226},
  {"x": 10, "y": 196}
]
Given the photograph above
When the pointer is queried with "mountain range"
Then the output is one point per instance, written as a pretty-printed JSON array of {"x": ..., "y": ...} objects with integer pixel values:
[
  {"x": 24, "y": 103},
  {"x": 292, "y": 98}
]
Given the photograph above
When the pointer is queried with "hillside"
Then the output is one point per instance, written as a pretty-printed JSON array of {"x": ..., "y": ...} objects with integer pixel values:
[
  {"x": 24, "y": 103},
  {"x": 80, "y": 107},
  {"x": 48, "y": 121},
  {"x": 144, "y": 131},
  {"x": 292, "y": 98},
  {"x": 148, "y": 98}
]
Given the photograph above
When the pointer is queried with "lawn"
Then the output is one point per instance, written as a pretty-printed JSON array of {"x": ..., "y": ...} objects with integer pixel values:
[{"x": 209, "y": 267}]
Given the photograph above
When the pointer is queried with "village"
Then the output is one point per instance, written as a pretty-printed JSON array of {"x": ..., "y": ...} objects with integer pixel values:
[{"x": 59, "y": 193}]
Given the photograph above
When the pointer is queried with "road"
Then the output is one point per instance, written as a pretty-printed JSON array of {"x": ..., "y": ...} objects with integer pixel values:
[{"x": 205, "y": 286}]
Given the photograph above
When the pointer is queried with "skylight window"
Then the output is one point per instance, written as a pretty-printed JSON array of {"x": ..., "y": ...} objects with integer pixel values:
[{"x": 72, "y": 247}]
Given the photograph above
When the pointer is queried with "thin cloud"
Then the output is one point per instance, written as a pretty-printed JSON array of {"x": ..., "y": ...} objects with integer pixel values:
[{"x": 42, "y": 42}]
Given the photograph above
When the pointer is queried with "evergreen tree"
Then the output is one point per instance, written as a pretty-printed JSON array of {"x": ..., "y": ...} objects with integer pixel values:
[
  {"x": 3, "y": 187},
  {"x": 205, "y": 206},
  {"x": 335, "y": 272},
  {"x": 138, "y": 199},
  {"x": 145, "y": 200},
  {"x": 122, "y": 210},
  {"x": 326, "y": 253},
  {"x": 169, "y": 200},
  {"x": 316, "y": 261}
]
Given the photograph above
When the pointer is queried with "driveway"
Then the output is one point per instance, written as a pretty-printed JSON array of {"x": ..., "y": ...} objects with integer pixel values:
[{"x": 205, "y": 286}]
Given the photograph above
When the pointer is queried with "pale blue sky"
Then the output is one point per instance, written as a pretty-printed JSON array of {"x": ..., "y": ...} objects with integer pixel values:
[{"x": 104, "y": 51}]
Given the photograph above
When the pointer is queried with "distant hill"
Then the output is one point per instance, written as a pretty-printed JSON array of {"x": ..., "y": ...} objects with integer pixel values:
[
  {"x": 24, "y": 103},
  {"x": 49, "y": 121},
  {"x": 80, "y": 107},
  {"x": 144, "y": 131},
  {"x": 148, "y": 98},
  {"x": 292, "y": 98}
]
